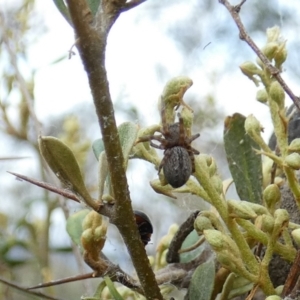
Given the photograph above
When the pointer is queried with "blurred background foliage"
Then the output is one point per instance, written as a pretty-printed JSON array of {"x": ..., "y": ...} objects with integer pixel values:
[{"x": 34, "y": 246}]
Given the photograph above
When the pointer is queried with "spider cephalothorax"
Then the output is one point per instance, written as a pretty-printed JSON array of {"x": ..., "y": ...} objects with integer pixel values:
[{"x": 178, "y": 162}]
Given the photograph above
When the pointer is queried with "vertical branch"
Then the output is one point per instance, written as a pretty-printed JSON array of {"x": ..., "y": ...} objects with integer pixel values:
[{"x": 91, "y": 46}]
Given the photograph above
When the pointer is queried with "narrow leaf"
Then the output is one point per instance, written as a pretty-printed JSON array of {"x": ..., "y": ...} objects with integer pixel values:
[
  {"x": 127, "y": 133},
  {"x": 244, "y": 164},
  {"x": 98, "y": 147},
  {"x": 113, "y": 291},
  {"x": 63, "y": 9},
  {"x": 202, "y": 282},
  {"x": 63, "y": 163}
]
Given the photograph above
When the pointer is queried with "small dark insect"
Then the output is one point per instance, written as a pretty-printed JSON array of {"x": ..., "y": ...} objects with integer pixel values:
[
  {"x": 144, "y": 226},
  {"x": 178, "y": 162}
]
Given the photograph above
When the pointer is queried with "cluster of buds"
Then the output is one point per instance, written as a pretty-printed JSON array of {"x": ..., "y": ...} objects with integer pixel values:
[
  {"x": 94, "y": 234},
  {"x": 275, "y": 50}
]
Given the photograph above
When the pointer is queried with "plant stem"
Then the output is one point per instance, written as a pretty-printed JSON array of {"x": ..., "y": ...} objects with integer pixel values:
[
  {"x": 234, "y": 12},
  {"x": 92, "y": 46}
]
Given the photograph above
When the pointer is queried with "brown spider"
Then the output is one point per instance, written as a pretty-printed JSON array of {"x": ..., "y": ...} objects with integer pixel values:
[{"x": 178, "y": 162}]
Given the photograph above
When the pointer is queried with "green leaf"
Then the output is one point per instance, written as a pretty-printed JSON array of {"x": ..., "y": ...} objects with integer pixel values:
[
  {"x": 190, "y": 240},
  {"x": 113, "y": 291},
  {"x": 127, "y": 133},
  {"x": 94, "y": 5},
  {"x": 74, "y": 225},
  {"x": 63, "y": 163},
  {"x": 63, "y": 9},
  {"x": 244, "y": 164},
  {"x": 98, "y": 147},
  {"x": 202, "y": 282}
]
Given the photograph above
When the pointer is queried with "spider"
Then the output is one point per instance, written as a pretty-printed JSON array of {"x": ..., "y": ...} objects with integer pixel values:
[{"x": 178, "y": 162}]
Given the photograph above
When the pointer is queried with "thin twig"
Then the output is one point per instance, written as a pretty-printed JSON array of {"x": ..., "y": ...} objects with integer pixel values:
[
  {"x": 47, "y": 186},
  {"x": 234, "y": 12},
  {"x": 22, "y": 289},
  {"x": 132, "y": 4}
]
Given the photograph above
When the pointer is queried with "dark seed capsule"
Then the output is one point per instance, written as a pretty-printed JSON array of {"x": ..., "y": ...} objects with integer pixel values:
[
  {"x": 144, "y": 226},
  {"x": 177, "y": 167}
]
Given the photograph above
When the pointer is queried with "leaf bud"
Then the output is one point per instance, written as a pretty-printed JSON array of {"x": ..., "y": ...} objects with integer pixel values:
[
  {"x": 293, "y": 160},
  {"x": 277, "y": 94},
  {"x": 249, "y": 69},
  {"x": 282, "y": 218},
  {"x": 238, "y": 209},
  {"x": 92, "y": 220},
  {"x": 273, "y": 34},
  {"x": 201, "y": 223},
  {"x": 270, "y": 50},
  {"x": 221, "y": 242},
  {"x": 281, "y": 55},
  {"x": 271, "y": 196},
  {"x": 294, "y": 146},
  {"x": 296, "y": 236},
  {"x": 252, "y": 126},
  {"x": 267, "y": 223},
  {"x": 262, "y": 96},
  {"x": 214, "y": 238}
]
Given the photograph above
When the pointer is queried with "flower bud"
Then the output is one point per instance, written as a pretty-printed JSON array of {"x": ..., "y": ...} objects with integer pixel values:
[
  {"x": 267, "y": 223},
  {"x": 293, "y": 161},
  {"x": 250, "y": 70},
  {"x": 271, "y": 196},
  {"x": 221, "y": 242},
  {"x": 273, "y": 34},
  {"x": 270, "y": 50},
  {"x": 262, "y": 96},
  {"x": 201, "y": 223},
  {"x": 282, "y": 218},
  {"x": 238, "y": 209},
  {"x": 277, "y": 94},
  {"x": 252, "y": 126},
  {"x": 294, "y": 146},
  {"x": 296, "y": 236},
  {"x": 280, "y": 56}
]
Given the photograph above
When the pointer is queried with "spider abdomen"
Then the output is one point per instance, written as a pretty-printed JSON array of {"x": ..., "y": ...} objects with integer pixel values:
[{"x": 177, "y": 166}]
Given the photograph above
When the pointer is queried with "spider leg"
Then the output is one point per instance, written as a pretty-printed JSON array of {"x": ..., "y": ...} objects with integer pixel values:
[
  {"x": 181, "y": 138},
  {"x": 161, "y": 146},
  {"x": 192, "y": 157},
  {"x": 193, "y": 137},
  {"x": 166, "y": 156}
]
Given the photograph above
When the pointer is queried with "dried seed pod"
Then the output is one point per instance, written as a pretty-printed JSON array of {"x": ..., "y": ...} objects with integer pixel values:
[
  {"x": 177, "y": 166},
  {"x": 144, "y": 226}
]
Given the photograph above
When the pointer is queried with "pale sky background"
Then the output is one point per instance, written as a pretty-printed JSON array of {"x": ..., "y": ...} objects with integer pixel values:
[{"x": 63, "y": 85}]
